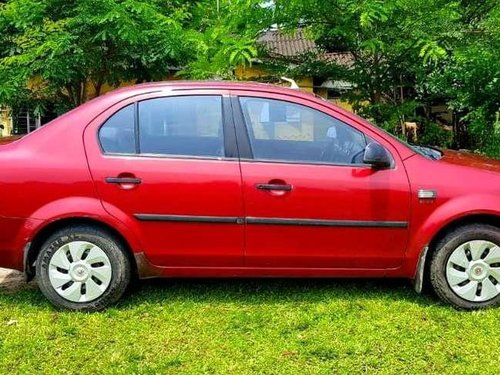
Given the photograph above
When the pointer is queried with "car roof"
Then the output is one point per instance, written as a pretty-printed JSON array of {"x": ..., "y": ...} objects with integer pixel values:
[{"x": 217, "y": 85}]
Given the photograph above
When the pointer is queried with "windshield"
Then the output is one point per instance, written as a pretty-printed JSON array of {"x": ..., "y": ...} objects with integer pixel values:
[{"x": 428, "y": 152}]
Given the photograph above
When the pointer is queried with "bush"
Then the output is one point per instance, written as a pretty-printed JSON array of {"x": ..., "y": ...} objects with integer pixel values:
[
  {"x": 390, "y": 118},
  {"x": 486, "y": 135},
  {"x": 432, "y": 134}
]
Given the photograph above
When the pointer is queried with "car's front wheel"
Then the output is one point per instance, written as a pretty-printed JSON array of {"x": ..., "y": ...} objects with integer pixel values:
[
  {"x": 465, "y": 268},
  {"x": 82, "y": 268}
]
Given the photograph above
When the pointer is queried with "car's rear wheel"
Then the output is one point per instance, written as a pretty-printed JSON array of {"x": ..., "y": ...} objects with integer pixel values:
[
  {"x": 82, "y": 268},
  {"x": 465, "y": 268}
]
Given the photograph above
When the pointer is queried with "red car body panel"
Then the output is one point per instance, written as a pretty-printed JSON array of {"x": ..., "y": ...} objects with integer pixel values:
[
  {"x": 326, "y": 192},
  {"x": 59, "y": 172},
  {"x": 471, "y": 160},
  {"x": 176, "y": 186},
  {"x": 461, "y": 191}
]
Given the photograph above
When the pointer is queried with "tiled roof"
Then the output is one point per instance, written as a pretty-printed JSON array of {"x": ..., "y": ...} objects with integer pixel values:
[
  {"x": 341, "y": 58},
  {"x": 287, "y": 45},
  {"x": 292, "y": 45}
]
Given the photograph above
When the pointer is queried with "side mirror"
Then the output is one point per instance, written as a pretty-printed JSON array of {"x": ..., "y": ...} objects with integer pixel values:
[{"x": 377, "y": 156}]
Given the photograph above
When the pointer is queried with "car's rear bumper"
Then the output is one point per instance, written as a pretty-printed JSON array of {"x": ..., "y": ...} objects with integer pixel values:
[{"x": 15, "y": 233}]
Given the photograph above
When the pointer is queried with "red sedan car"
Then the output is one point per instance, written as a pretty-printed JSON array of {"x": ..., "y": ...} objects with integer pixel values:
[{"x": 217, "y": 179}]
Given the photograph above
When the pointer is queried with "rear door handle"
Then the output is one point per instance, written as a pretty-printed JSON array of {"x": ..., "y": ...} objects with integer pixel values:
[
  {"x": 275, "y": 187},
  {"x": 123, "y": 180}
]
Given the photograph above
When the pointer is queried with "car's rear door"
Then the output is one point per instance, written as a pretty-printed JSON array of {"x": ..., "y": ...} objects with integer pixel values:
[
  {"x": 309, "y": 200},
  {"x": 166, "y": 164}
]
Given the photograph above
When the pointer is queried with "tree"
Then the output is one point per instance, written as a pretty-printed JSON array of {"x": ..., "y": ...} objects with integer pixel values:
[
  {"x": 391, "y": 42},
  {"x": 469, "y": 79},
  {"x": 65, "y": 52},
  {"x": 225, "y": 37},
  {"x": 409, "y": 54},
  {"x": 60, "y": 50}
]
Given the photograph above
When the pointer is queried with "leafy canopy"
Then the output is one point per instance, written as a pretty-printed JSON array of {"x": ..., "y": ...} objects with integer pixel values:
[
  {"x": 409, "y": 54},
  {"x": 65, "y": 48}
]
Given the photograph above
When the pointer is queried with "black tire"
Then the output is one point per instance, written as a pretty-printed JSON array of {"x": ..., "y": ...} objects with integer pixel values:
[
  {"x": 443, "y": 250},
  {"x": 118, "y": 259}
]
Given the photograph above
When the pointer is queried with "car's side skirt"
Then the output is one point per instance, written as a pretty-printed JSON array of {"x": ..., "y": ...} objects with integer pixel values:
[{"x": 147, "y": 270}]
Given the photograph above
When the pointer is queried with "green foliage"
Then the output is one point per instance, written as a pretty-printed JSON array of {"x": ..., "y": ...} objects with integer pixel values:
[
  {"x": 407, "y": 54},
  {"x": 59, "y": 49},
  {"x": 218, "y": 54},
  {"x": 470, "y": 78},
  {"x": 485, "y": 133},
  {"x": 391, "y": 118},
  {"x": 390, "y": 40},
  {"x": 65, "y": 51},
  {"x": 433, "y": 134},
  {"x": 225, "y": 38},
  {"x": 427, "y": 50},
  {"x": 388, "y": 116}
]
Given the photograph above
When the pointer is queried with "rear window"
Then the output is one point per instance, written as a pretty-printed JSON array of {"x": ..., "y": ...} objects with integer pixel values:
[
  {"x": 183, "y": 125},
  {"x": 117, "y": 135}
]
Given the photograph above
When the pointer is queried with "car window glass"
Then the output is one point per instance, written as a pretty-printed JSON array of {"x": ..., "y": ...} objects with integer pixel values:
[
  {"x": 183, "y": 125},
  {"x": 117, "y": 135},
  {"x": 281, "y": 130}
]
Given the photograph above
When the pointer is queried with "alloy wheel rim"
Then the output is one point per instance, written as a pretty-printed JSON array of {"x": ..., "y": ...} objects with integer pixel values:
[
  {"x": 80, "y": 271},
  {"x": 473, "y": 271}
]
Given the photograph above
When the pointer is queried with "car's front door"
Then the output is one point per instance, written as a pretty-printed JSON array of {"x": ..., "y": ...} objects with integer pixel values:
[
  {"x": 164, "y": 164},
  {"x": 309, "y": 200}
]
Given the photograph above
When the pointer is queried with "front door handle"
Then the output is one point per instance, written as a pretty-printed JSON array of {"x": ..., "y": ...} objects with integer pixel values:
[
  {"x": 274, "y": 187},
  {"x": 123, "y": 180}
]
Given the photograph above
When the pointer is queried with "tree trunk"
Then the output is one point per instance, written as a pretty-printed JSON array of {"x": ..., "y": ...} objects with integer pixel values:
[
  {"x": 462, "y": 137},
  {"x": 98, "y": 86}
]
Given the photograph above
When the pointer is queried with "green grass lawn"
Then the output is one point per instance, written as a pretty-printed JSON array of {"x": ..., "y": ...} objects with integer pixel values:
[{"x": 251, "y": 326}]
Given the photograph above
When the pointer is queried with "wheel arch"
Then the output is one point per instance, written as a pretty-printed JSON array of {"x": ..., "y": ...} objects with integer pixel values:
[
  {"x": 34, "y": 247},
  {"x": 487, "y": 219},
  {"x": 477, "y": 218}
]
